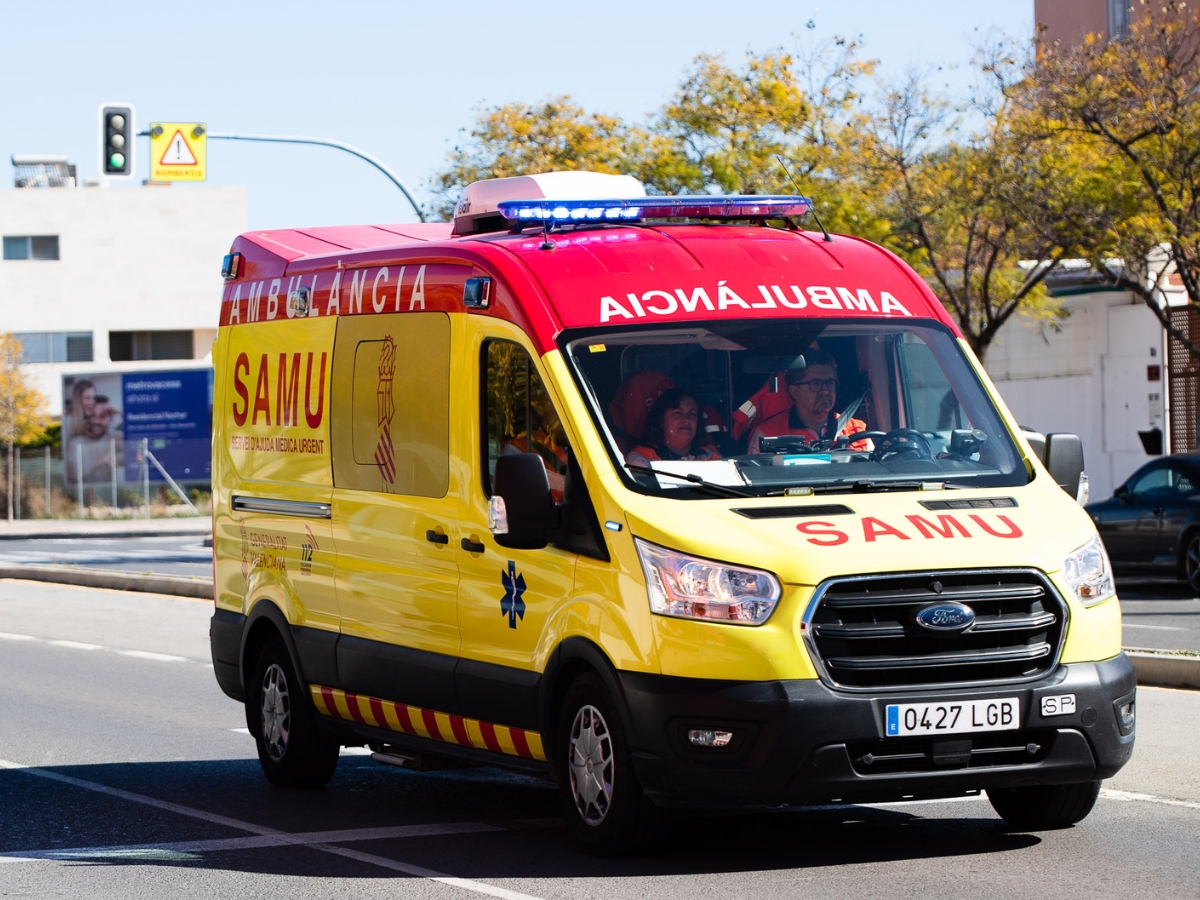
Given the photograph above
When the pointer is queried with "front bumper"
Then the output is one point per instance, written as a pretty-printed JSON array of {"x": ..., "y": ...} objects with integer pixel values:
[{"x": 801, "y": 742}]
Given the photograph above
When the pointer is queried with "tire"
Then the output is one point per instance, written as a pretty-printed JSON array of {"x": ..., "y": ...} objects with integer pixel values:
[
  {"x": 1044, "y": 807},
  {"x": 293, "y": 751},
  {"x": 1191, "y": 561},
  {"x": 601, "y": 798}
]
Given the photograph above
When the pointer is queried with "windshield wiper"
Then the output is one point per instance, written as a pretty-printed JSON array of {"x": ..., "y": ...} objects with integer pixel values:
[
  {"x": 720, "y": 490},
  {"x": 869, "y": 487}
]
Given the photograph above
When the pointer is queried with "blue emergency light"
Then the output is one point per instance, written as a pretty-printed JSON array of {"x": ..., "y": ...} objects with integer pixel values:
[{"x": 697, "y": 207}]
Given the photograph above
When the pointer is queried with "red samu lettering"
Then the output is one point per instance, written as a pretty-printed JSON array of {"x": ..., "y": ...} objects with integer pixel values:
[
  {"x": 873, "y": 528},
  {"x": 1013, "y": 530},
  {"x": 830, "y": 537},
  {"x": 946, "y": 526},
  {"x": 243, "y": 363}
]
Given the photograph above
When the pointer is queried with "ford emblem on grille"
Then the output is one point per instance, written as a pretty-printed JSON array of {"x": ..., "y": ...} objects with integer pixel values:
[{"x": 949, "y": 617}]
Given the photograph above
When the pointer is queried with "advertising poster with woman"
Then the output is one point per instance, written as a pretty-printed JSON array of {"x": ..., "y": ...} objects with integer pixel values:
[{"x": 92, "y": 427}]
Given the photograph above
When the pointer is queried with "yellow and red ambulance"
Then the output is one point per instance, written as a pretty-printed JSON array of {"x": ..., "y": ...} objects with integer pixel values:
[{"x": 542, "y": 488}]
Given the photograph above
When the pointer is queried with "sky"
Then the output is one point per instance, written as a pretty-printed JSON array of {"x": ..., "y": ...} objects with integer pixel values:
[{"x": 403, "y": 80}]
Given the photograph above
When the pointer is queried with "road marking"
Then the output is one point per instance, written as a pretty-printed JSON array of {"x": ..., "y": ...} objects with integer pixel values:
[
  {"x": 1135, "y": 797},
  {"x": 146, "y": 654},
  {"x": 160, "y": 850},
  {"x": 76, "y": 645},
  {"x": 282, "y": 837},
  {"x": 1155, "y": 627}
]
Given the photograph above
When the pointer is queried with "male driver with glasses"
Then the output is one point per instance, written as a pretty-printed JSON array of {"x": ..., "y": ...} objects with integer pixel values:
[{"x": 813, "y": 389}]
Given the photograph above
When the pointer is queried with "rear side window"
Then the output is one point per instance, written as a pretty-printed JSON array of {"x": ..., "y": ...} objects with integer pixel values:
[{"x": 391, "y": 421}]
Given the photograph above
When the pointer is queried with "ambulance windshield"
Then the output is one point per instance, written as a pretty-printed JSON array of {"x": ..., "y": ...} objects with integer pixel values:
[{"x": 783, "y": 406}]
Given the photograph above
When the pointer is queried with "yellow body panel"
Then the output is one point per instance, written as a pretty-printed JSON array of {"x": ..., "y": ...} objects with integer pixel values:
[{"x": 390, "y": 583}]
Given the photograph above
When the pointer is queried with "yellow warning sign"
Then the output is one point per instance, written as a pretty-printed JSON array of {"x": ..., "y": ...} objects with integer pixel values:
[{"x": 178, "y": 151}]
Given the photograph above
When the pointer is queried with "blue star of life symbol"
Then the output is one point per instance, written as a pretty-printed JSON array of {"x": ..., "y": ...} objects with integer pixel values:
[{"x": 511, "y": 604}]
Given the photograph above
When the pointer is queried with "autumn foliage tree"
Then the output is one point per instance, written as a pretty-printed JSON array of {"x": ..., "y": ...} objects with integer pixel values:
[
  {"x": 21, "y": 407},
  {"x": 1134, "y": 104}
]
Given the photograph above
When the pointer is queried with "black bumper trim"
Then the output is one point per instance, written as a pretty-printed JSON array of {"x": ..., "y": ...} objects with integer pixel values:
[{"x": 796, "y": 734}]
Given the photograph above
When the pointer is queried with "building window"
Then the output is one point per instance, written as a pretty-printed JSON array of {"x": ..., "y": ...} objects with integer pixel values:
[
  {"x": 55, "y": 346},
  {"x": 43, "y": 246},
  {"x": 128, "y": 346},
  {"x": 1118, "y": 19}
]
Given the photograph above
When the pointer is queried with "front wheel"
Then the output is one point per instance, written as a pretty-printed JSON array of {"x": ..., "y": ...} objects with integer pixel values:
[
  {"x": 293, "y": 751},
  {"x": 601, "y": 798},
  {"x": 1043, "y": 807},
  {"x": 1191, "y": 561}
]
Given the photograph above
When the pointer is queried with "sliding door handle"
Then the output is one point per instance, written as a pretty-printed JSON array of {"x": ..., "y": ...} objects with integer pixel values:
[
  {"x": 436, "y": 537},
  {"x": 471, "y": 546}
]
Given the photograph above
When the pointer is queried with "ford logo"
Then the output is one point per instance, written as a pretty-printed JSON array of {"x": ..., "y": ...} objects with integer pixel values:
[{"x": 947, "y": 617}]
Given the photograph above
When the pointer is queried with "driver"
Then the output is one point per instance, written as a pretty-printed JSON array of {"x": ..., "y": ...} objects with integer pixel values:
[{"x": 813, "y": 388}]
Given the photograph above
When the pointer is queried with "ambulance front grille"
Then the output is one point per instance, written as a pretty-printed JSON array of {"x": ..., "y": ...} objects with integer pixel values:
[{"x": 864, "y": 633}]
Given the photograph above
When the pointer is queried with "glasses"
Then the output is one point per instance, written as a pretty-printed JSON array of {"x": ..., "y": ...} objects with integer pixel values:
[{"x": 817, "y": 385}]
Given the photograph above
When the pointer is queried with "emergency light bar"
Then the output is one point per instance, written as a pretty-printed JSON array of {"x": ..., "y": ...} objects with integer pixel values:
[{"x": 698, "y": 207}]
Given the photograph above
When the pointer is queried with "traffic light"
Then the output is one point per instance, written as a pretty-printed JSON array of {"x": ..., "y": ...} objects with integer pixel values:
[{"x": 116, "y": 140}]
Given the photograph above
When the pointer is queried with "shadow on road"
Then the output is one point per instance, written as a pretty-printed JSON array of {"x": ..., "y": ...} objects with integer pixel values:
[{"x": 526, "y": 838}]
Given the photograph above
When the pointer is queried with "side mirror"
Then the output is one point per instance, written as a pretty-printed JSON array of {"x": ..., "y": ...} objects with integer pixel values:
[
  {"x": 1064, "y": 459},
  {"x": 522, "y": 508},
  {"x": 1121, "y": 493}
]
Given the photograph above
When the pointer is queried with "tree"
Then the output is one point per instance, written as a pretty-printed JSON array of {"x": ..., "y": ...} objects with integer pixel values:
[
  {"x": 555, "y": 135},
  {"x": 1135, "y": 103},
  {"x": 20, "y": 406},
  {"x": 984, "y": 220}
]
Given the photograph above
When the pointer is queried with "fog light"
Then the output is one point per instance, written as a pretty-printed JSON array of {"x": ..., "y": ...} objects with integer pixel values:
[{"x": 703, "y": 737}]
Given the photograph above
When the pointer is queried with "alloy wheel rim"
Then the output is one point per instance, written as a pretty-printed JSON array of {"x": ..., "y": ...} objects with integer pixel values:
[
  {"x": 276, "y": 711},
  {"x": 1192, "y": 561},
  {"x": 591, "y": 765}
]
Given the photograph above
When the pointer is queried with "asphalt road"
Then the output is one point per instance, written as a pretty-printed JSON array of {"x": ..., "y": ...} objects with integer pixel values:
[
  {"x": 126, "y": 773},
  {"x": 162, "y": 555},
  {"x": 1161, "y": 615}
]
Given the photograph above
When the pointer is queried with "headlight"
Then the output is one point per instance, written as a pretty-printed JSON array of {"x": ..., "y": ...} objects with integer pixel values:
[
  {"x": 689, "y": 587},
  {"x": 1089, "y": 573}
]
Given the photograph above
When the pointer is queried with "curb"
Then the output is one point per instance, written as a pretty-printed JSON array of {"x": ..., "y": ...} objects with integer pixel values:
[
  {"x": 198, "y": 530},
  {"x": 177, "y": 585},
  {"x": 1166, "y": 670}
]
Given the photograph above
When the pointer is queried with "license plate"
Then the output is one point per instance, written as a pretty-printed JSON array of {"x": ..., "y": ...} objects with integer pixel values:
[{"x": 958, "y": 717}]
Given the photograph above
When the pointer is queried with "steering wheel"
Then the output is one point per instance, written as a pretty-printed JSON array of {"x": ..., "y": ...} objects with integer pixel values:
[{"x": 907, "y": 443}]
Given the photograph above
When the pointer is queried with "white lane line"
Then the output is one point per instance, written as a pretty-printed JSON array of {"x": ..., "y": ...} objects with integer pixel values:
[
  {"x": 302, "y": 839},
  {"x": 382, "y": 862},
  {"x": 79, "y": 645},
  {"x": 146, "y": 654},
  {"x": 76, "y": 645},
  {"x": 1135, "y": 797},
  {"x": 1155, "y": 627}
]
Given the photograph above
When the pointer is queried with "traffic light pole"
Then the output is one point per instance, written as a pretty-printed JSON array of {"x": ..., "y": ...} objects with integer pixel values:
[{"x": 321, "y": 142}]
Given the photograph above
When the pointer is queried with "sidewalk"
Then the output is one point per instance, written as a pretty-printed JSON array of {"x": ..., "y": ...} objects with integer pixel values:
[{"x": 33, "y": 529}]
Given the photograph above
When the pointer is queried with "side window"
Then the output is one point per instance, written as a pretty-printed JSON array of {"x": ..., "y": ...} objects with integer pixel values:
[
  {"x": 518, "y": 414},
  {"x": 1156, "y": 481},
  {"x": 930, "y": 401},
  {"x": 1184, "y": 483},
  {"x": 391, "y": 416}
]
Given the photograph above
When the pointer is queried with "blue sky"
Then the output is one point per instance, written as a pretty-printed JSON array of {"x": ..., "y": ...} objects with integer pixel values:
[{"x": 400, "y": 80}]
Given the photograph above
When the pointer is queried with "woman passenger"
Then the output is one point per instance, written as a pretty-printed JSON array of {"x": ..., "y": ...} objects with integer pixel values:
[{"x": 672, "y": 431}]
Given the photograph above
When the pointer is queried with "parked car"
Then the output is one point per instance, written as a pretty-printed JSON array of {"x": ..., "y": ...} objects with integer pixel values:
[{"x": 1151, "y": 523}]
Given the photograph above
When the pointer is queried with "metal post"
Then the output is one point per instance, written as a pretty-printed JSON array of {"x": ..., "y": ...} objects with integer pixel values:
[
  {"x": 146, "y": 473},
  {"x": 48, "y": 512},
  {"x": 18, "y": 482},
  {"x": 112, "y": 462},
  {"x": 79, "y": 474}
]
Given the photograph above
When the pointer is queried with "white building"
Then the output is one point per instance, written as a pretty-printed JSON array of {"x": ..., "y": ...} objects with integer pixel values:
[
  {"x": 1102, "y": 375},
  {"x": 113, "y": 279}
]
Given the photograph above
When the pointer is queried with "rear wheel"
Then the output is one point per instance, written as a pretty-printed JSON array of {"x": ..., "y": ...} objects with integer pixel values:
[
  {"x": 293, "y": 751},
  {"x": 601, "y": 798},
  {"x": 1042, "y": 807}
]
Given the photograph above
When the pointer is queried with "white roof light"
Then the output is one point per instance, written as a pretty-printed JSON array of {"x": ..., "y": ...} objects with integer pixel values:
[{"x": 479, "y": 209}]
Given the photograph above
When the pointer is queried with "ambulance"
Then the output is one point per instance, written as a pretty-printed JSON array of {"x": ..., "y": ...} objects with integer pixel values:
[{"x": 541, "y": 488}]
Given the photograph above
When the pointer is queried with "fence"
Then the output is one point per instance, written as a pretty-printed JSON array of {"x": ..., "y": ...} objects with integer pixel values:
[{"x": 93, "y": 482}]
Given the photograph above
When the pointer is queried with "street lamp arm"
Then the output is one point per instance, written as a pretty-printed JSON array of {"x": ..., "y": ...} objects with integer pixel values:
[{"x": 324, "y": 142}]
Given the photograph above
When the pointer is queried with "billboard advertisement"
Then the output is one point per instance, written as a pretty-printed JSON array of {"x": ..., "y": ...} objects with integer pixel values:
[{"x": 109, "y": 415}]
